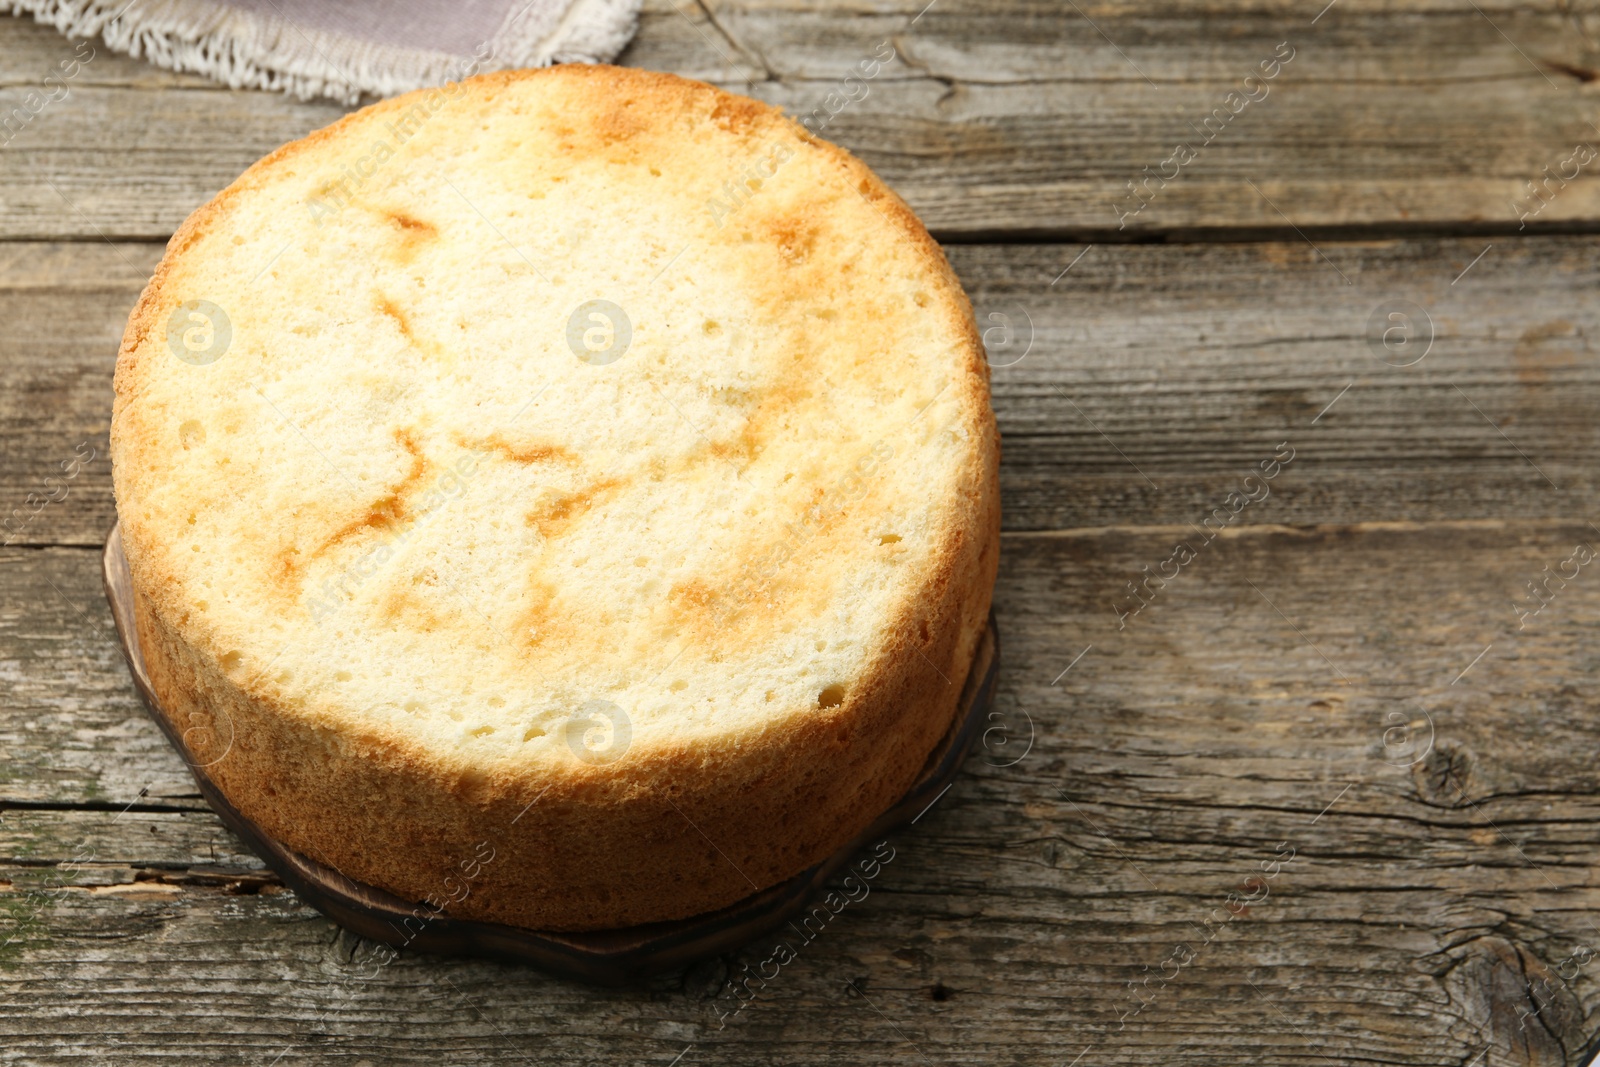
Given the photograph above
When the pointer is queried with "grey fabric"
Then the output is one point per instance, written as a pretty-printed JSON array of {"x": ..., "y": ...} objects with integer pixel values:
[
  {"x": 349, "y": 50},
  {"x": 454, "y": 26}
]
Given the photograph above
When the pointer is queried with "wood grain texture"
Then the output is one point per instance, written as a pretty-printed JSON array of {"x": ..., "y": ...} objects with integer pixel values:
[
  {"x": 1137, "y": 388},
  {"x": 996, "y": 116},
  {"x": 1427, "y": 914},
  {"x": 1067, "y": 903},
  {"x": 73, "y": 729}
]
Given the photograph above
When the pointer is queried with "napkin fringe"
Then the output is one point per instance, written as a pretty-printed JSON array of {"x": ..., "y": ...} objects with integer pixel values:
[{"x": 246, "y": 50}]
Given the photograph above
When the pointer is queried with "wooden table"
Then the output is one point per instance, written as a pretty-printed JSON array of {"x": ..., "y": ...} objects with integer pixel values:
[{"x": 1328, "y": 796}]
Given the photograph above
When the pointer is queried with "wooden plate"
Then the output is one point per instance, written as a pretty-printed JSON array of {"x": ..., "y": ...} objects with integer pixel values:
[{"x": 607, "y": 956}]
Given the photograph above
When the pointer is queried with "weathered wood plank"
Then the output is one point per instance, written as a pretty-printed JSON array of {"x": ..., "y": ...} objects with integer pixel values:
[
  {"x": 1160, "y": 376},
  {"x": 1188, "y": 363},
  {"x": 1426, "y": 913},
  {"x": 1009, "y": 117},
  {"x": 68, "y": 304},
  {"x": 164, "y": 844},
  {"x": 71, "y": 727}
]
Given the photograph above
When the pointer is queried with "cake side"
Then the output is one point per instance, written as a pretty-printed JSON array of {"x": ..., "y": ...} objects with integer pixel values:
[
  {"x": 675, "y": 839},
  {"x": 679, "y": 824}
]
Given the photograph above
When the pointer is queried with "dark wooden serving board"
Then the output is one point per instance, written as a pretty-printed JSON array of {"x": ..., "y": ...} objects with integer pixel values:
[{"x": 606, "y": 956}]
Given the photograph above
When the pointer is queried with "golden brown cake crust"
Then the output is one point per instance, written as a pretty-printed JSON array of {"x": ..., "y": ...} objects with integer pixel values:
[{"x": 673, "y": 829}]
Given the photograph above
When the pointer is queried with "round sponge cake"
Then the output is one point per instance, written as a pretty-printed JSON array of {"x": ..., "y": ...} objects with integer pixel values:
[{"x": 568, "y": 498}]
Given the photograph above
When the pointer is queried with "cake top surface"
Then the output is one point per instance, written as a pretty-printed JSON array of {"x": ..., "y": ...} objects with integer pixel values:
[{"x": 550, "y": 416}]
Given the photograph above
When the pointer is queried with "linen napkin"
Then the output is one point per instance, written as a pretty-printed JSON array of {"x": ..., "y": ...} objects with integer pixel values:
[{"x": 345, "y": 50}]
